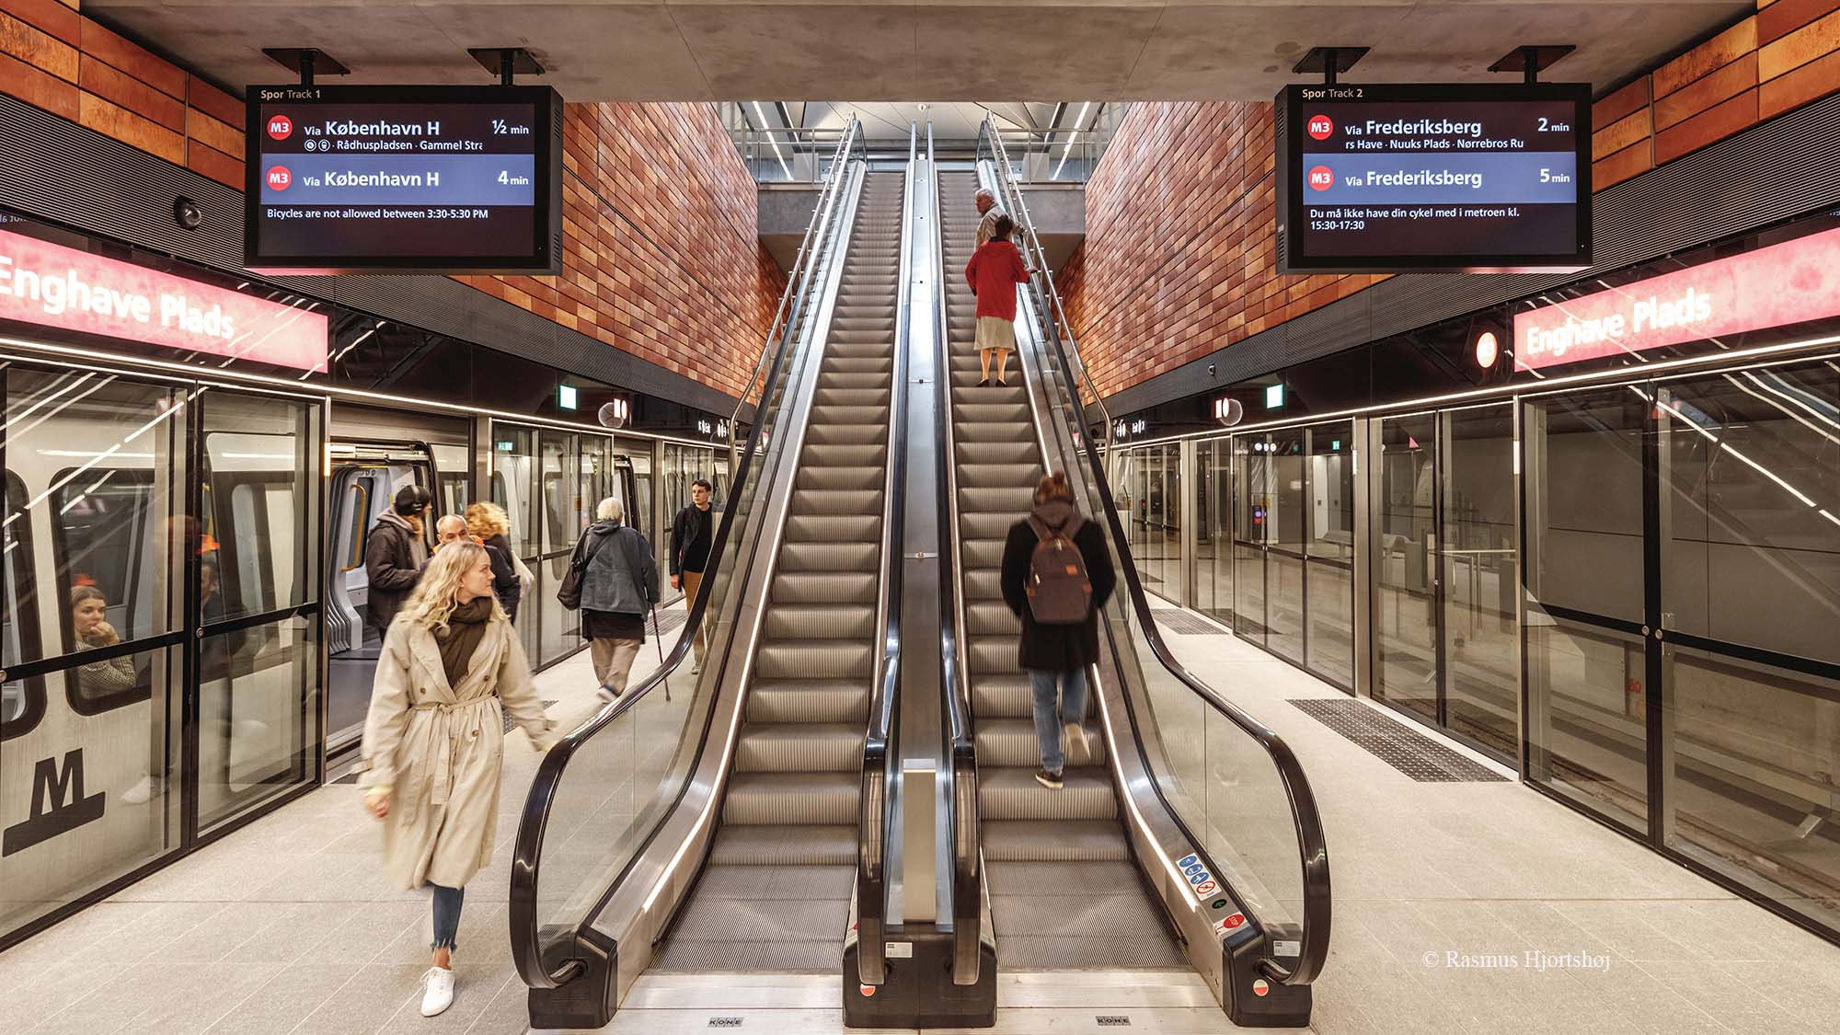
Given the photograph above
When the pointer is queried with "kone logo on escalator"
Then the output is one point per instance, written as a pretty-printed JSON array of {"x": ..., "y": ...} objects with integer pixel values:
[{"x": 58, "y": 804}]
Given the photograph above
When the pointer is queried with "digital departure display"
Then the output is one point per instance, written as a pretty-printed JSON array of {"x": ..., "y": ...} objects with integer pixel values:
[
  {"x": 1394, "y": 178},
  {"x": 354, "y": 179}
]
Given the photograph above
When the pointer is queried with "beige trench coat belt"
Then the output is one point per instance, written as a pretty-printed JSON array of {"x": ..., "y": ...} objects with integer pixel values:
[{"x": 444, "y": 771}]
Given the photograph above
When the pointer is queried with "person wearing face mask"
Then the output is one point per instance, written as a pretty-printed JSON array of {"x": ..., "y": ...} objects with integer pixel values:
[{"x": 451, "y": 668}]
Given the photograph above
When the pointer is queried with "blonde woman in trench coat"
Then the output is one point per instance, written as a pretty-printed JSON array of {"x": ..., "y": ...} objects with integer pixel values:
[{"x": 450, "y": 669}]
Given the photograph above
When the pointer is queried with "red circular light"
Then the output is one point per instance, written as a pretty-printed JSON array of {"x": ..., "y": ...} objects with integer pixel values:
[{"x": 1488, "y": 349}]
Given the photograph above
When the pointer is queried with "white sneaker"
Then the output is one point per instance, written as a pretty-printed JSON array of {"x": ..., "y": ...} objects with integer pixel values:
[
  {"x": 142, "y": 792},
  {"x": 608, "y": 693},
  {"x": 438, "y": 991}
]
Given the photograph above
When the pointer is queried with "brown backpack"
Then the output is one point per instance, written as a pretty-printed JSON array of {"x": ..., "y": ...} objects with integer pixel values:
[{"x": 1059, "y": 591}]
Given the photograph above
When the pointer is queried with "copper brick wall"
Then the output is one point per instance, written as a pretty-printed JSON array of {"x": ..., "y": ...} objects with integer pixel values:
[
  {"x": 1180, "y": 244},
  {"x": 660, "y": 254}
]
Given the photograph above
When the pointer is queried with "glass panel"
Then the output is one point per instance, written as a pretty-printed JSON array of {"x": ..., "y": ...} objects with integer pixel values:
[
  {"x": 1404, "y": 624},
  {"x": 96, "y": 462},
  {"x": 1754, "y": 750},
  {"x": 1751, "y": 511},
  {"x": 1285, "y": 545},
  {"x": 557, "y": 489},
  {"x": 1481, "y": 580},
  {"x": 86, "y": 798},
  {"x": 1588, "y": 732},
  {"x": 514, "y": 482},
  {"x": 1331, "y": 553},
  {"x": 1251, "y": 504},
  {"x": 1584, "y": 486},
  {"x": 261, "y": 472},
  {"x": 258, "y": 694},
  {"x": 1212, "y": 571},
  {"x": 454, "y": 470}
]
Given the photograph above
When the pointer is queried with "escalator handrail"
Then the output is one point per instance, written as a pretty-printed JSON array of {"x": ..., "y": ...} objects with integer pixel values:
[
  {"x": 1305, "y": 816},
  {"x": 966, "y": 826},
  {"x": 873, "y": 816},
  {"x": 796, "y": 278},
  {"x": 1047, "y": 298},
  {"x": 526, "y": 937}
]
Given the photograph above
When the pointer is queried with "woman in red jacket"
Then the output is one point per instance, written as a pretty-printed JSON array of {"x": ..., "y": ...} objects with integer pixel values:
[{"x": 993, "y": 272}]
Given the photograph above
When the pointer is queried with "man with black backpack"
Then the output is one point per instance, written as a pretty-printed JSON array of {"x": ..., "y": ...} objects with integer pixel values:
[
  {"x": 1056, "y": 576},
  {"x": 614, "y": 581}
]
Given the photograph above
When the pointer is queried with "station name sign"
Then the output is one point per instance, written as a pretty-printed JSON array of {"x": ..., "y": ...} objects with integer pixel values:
[
  {"x": 431, "y": 179},
  {"x": 1779, "y": 285},
  {"x": 1393, "y": 178},
  {"x": 49, "y": 285}
]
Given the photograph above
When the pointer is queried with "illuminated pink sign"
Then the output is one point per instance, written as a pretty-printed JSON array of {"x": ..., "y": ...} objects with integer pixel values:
[
  {"x": 54, "y": 286},
  {"x": 1782, "y": 284}
]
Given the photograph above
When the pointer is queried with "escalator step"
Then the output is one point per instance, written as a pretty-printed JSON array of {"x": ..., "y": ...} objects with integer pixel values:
[
  {"x": 1013, "y": 794},
  {"x": 1032, "y": 840},
  {"x": 807, "y": 747}
]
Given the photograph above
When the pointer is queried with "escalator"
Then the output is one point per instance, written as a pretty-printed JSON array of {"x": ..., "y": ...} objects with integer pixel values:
[
  {"x": 786, "y": 849},
  {"x": 1185, "y": 835},
  {"x": 713, "y": 828},
  {"x": 1064, "y": 891}
]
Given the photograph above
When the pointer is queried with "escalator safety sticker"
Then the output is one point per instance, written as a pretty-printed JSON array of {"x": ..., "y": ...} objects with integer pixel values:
[
  {"x": 1198, "y": 876},
  {"x": 898, "y": 950},
  {"x": 1222, "y": 926}
]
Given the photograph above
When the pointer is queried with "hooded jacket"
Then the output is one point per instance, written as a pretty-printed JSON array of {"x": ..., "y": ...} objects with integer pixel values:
[
  {"x": 622, "y": 578},
  {"x": 1056, "y": 648},
  {"x": 394, "y": 557}
]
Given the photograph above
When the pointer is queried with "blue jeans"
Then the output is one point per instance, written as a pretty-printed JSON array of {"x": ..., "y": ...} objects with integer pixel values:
[
  {"x": 446, "y": 916},
  {"x": 1048, "y": 720}
]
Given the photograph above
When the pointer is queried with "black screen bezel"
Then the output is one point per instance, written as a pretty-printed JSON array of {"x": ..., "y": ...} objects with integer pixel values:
[
  {"x": 544, "y": 257},
  {"x": 1288, "y": 130}
]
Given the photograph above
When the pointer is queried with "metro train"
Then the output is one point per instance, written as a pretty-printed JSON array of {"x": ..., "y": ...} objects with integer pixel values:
[{"x": 107, "y": 765}]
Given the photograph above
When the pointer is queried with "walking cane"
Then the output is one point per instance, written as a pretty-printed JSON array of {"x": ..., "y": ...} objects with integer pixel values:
[{"x": 659, "y": 637}]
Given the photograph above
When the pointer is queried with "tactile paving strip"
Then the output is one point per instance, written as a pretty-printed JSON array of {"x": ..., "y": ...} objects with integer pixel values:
[
  {"x": 670, "y": 620},
  {"x": 511, "y": 723},
  {"x": 1396, "y": 744},
  {"x": 1185, "y": 623}
]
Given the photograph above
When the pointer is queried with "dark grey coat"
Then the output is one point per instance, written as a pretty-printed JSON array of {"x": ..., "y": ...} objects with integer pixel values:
[{"x": 622, "y": 578}]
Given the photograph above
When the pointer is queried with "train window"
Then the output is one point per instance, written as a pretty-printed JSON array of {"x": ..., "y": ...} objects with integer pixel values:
[
  {"x": 357, "y": 506},
  {"x": 22, "y": 701},
  {"x": 257, "y": 462},
  {"x": 104, "y": 527},
  {"x": 95, "y": 463}
]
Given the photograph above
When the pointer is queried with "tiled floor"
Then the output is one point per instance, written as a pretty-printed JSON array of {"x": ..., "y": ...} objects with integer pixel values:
[
  {"x": 287, "y": 925},
  {"x": 1431, "y": 876}
]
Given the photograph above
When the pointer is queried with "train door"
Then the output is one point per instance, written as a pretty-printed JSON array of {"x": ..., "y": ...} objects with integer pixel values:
[
  {"x": 365, "y": 480},
  {"x": 160, "y": 623}
]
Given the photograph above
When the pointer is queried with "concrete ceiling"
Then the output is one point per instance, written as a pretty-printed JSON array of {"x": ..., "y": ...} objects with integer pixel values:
[{"x": 900, "y": 51}]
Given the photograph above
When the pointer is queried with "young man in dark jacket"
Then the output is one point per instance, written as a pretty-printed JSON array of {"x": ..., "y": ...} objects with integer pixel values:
[
  {"x": 619, "y": 585},
  {"x": 692, "y": 535},
  {"x": 394, "y": 556},
  {"x": 1056, "y": 656}
]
